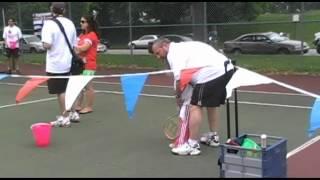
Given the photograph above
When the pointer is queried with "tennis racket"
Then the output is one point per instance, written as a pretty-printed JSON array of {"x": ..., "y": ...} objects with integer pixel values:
[{"x": 171, "y": 126}]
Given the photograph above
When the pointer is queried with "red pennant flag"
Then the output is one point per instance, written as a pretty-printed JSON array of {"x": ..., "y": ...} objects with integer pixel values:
[
  {"x": 186, "y": 76},
  {"x": 29, "y": 86}
]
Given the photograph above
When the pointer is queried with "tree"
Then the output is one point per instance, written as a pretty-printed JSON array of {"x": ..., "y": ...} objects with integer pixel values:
[
  {"x": 233, "y": 11},
  {"x": 166, "y": 12}
]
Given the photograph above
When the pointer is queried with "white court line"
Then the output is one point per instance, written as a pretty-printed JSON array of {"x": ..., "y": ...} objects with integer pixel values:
[
  {"x": 273, "y": 105},
  {"x": 166, "y": 96},
  {"x": 240, "y": 102},
  {"x": 159, "y": 86},
  {"x": 303, "y": 146},
  {"x": 16, "y": 84},
  {"x": 116, "y": 83},
  {"x": 142, "y": 94},
  {"x": 291, "y": 153},
  {"x": 242, "y": 91},
  {"x": 28, "y": 102}
]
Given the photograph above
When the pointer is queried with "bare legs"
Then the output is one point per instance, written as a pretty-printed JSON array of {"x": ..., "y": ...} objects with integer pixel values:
[
  {"x": 196, "y": 119},
  {"x": 89, "y": 96}
]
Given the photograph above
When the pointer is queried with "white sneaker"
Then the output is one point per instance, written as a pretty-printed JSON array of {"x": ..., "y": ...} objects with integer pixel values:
[
  {"x": 172, "y": 145},
  {"x": 74, "y": 117},
  {"x": 211, "y": 140},
  {"x": 61, "y": 122},
  {"x": 186, "y": 149}
]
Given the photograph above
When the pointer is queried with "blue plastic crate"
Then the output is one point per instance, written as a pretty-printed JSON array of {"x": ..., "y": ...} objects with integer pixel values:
[{"x": 237, "y": 161}]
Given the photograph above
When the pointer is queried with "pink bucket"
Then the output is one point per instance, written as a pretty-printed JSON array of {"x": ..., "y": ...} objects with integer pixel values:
[{"x": 41, "y": 134}]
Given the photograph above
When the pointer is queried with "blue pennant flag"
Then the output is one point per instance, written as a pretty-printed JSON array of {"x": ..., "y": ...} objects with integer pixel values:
[
  {"x": 2, "y": 76},
  {"x": 131, "y": 87},
  {"x": 314, "y": 122}
]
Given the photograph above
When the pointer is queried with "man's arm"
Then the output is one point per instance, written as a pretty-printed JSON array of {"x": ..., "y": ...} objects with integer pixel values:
[
  {"x": 4, "y": 34},
  {"x": 46, "y": 35},
  {"x": 178, "y": 93}
]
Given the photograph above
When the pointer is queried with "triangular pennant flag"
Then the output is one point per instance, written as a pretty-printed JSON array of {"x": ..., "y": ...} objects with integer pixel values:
[
  {"x": 28, "y": 87},
  {"x": 2, "y": 76},
  {"x": 74, "y": 87},
  {"x": 314, "y": 122},
  {"x": 186, "y": 76},
  {"x": 244, "y": 77},
  {"x": 132, "y": 86}
]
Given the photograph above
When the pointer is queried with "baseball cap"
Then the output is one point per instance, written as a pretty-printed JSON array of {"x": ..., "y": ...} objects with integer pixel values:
[{"x": 58, "y": 7}]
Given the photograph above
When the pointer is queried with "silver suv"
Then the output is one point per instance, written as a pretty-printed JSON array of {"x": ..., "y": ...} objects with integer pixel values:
[
  {"x": 31, "y": 43},
  {"x": 142, "y": 42}
]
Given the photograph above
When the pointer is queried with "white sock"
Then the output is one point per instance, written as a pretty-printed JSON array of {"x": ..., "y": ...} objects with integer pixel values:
[
  {"x": 192, "y": 142},
  {"x": 212, "y": 133}
]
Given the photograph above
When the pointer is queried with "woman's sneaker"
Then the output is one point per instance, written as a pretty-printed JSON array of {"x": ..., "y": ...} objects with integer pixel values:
[
  {"x": 210, "y": 139},
  {"x": 186, "y": 149},
  {"x": 74, "y": 117},
  {"x": 61, "y": 122},
  {"x": 172, "y": 145}
]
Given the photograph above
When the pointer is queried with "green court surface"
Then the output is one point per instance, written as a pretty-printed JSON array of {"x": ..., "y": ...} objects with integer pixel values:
[{"x": 108, "y": 144}]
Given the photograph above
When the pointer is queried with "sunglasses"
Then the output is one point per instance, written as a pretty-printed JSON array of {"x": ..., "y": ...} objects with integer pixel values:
[{"x": 82, "y": 22}]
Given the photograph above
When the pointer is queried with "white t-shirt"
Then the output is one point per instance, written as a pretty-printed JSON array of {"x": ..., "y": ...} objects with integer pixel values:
[
  {"x": 194, "y": 54},
  {"x": 58, "y": 58},
  {"x": 12, "y": 36}
]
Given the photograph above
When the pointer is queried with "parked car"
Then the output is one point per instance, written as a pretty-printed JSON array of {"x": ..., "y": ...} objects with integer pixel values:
[
  {"x": 31, "y": 43},
  {"x": 176, "y": 38},
  {"x": 316, "y": 41},
  {"x": 101, "y": 48},
  {"x": 142, "y": 42},
  {"x": 105, "y": 42},
  {"x": 266, "y": 42}
]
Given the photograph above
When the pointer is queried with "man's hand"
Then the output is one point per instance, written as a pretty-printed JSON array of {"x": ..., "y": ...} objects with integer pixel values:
[{"x": 46, "y": 45}]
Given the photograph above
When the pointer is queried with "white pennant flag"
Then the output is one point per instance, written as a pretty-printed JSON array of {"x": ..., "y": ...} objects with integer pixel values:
[
  {"x": 244, "y": 77},
  {"x": 74, "y": 87}
]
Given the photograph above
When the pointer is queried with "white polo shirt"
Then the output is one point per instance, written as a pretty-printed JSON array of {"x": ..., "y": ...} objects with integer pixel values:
[
  {"x": 194, "y": 54},
  {"x": 58, "y": 59},
  {"x": 12, "y": 36}
]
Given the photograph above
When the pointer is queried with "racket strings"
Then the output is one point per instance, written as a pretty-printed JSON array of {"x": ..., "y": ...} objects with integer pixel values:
[{"x": 171, "y": 127}]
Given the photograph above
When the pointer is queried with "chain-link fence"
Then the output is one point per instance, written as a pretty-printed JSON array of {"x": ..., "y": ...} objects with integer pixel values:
[{"x": 211, "y": 22}]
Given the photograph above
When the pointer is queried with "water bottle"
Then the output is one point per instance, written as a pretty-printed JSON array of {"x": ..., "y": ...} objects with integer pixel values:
[{"x": 263, "y": 140}]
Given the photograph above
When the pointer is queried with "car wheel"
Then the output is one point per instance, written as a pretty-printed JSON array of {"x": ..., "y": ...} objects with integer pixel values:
[
  {"x": 318, "y": 49},
  {"x": 33, "y": 50},
  {"x": 283, "y": 51},
  {"x": 133, "y": 46},
  {"x": 237, "y": 51}
]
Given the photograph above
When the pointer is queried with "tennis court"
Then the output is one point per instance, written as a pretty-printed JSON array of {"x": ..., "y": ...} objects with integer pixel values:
[{"x": 108, "y": 144}]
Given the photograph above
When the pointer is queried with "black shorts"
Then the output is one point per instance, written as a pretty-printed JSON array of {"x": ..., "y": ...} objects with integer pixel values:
[
  {"x": 212, "y": 93},
  {"x": 12, "y": 52},
  {"x": 57, "y": 86}
]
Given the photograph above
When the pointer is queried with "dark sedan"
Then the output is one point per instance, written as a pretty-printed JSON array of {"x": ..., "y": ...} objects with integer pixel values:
[{"x": 264, "y": 43}]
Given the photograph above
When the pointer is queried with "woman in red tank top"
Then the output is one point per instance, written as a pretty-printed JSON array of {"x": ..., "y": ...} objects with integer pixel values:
[{"x": 87, "y": 49}]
